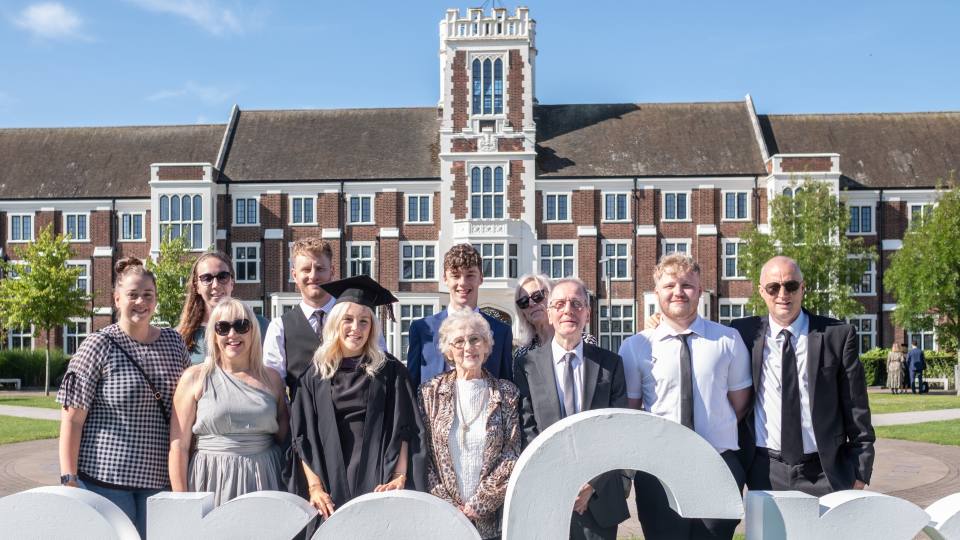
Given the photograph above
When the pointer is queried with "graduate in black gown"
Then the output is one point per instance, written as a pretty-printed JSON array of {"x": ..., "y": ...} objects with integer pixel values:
[{"x": 355, "y": 425}]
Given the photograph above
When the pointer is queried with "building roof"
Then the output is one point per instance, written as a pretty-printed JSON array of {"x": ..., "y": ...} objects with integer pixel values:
[
  {"x": 662, "y": 139},
  {"x": 342, "y": 144},
  {"x": 95, "y": 162},
  {"x": 888, "y": 150}
]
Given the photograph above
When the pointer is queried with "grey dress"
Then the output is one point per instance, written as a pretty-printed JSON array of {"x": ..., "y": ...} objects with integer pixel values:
[{"x": 236, "y": 450}]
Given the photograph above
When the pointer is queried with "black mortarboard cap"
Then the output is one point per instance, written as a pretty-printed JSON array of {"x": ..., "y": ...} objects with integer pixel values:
[{"x": 360, "y": 290}]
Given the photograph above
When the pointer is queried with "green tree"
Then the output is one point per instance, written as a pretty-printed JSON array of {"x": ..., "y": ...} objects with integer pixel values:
[
  {"x": 172, "y": 270},
  {"x": 41, "y": 289},
  {"x": 810, "y": 227},
  {"x": 924, "y": 274}
]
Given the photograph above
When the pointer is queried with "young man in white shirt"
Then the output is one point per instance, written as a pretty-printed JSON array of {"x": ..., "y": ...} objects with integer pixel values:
[{"x": 694, "y": 372}]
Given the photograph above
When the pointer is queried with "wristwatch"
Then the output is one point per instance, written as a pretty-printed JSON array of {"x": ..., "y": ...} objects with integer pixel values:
[{"x": 67, "y": 478}]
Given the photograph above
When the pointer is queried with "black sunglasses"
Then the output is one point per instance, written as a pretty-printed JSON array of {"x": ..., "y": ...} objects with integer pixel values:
[
  {"x": 222, "y": 328},
  {"x": 524, "y": 301},
  {"x": 773, "y": 289},
  {"x": 222, "y": 277}
]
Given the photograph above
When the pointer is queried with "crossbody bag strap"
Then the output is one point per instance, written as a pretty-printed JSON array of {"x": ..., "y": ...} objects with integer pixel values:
[{"x": 156, "y": 393}]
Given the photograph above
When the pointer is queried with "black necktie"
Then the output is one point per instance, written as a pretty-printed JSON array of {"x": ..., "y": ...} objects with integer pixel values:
[
  {"x": 791, "y": 438},
  {"x": 569, "y": 394},
  {"x": 686, "y": 382},
  {"x": 318, "y": 314}
]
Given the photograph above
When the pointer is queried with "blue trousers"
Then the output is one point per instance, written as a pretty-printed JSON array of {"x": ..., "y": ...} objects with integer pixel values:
[
  {"x": 916, "y": 379},
  {"x": 133, "y": 502}
]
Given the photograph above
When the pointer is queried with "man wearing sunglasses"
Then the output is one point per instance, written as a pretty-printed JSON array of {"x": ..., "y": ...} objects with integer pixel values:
[{"x": 810, "y": 427}]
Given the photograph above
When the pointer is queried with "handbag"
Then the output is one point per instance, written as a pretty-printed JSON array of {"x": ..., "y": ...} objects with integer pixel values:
[{"x": 153, "y": 388}]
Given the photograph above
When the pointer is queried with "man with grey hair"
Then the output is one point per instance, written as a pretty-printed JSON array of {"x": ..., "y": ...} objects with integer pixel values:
[
  {"x": 693, "y": 372},
  {"x": 810, "y": 428},
  {"x": 563, "y": 378}
]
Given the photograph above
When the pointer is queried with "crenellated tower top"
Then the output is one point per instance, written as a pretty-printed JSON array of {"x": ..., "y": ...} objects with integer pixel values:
[{"x": 496, "y": 24}]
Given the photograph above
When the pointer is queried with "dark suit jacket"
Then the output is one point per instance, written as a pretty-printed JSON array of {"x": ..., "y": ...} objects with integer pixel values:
[
  {"x": 838, "y": 395},
  {"x": 916, "y": 360},
  {"x": 603, "y": 387},
  {"x": 424, "y": 360}
]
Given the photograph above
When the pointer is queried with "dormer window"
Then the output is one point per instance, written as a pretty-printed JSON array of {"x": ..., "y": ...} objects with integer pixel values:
[{"x": 487, "y": 85}]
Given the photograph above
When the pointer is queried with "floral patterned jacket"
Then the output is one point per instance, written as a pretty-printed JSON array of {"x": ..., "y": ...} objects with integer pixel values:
[{"x": 500, "y": 453}]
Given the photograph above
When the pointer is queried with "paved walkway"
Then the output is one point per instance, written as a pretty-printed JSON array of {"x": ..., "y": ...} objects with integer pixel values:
[
  {"x": 37, "y": 413},
  {"x": 915, "y": 417}
]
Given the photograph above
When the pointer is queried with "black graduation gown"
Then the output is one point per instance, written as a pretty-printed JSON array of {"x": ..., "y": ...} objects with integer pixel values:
[{"x": 392, "y": 417}]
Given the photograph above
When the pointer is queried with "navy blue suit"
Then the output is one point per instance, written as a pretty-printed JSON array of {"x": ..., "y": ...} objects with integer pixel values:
[
  {"x": 424, "y": 360},
  {"x": 916, "y": 362}
]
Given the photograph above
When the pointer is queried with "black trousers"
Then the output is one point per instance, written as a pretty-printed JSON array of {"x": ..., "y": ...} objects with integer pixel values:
[
  {"x": 659, "y": 521},
  {"x": 770, "y": 472},
  {"x": 584, "y": 527}
]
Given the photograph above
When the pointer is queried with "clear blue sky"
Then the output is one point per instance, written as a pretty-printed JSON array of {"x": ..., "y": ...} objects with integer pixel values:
[{"x": 123, "y": 62}]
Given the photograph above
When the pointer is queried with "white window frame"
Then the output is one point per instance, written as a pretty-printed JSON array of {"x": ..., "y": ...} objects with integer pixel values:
[
  {"x": 925, "y": 213},
  {"x": 626, "y": 195},
  {"x": 629, "y": 258},
  {"x": 413, "y": 259},
  {"x": 313, "y": 206},
  {"x": 608, "y": 318},
  {"x": 143, "y": 226},
  {"x": 86, "y": 265},
  {"x": 86, "y": 219},
  {"x": 506, "y": 65},
  {"x": 11, "y": 334},
  {"x": 33, "y": 223},
  {"x": 406, "y": 208},
  {"x": 723, "y": 259},
  {"x": 873, "y": 330},
  {"x": 66, "y": 333},
  {"x": 348, "y": 271},
  {"x": 732, "y": 303},
  {"x": 873, "y": 219},
  {"x": 256, "y": 261},
  {"x": 663, "y": 206},
  {"x": 509, "y": 270},
  {"x": 566, "y": 195},
  {"x": 573, "y": 257},
  {"x": 394, "y": 335},
  {"x": 254, "y": 305},
  {"x": 872, "y": 272},
  {"x": 922, "y": 336},
  {"x": 246, "y": 223},
  {"x": 12, "y": 274},
  {"x": 723, "y": 205},
  {"x": 686, "y": 241},
  {"x": 493, "y": 193},
  {"x": 371, "y": 199},
  {"x": 203, "y": 221}
]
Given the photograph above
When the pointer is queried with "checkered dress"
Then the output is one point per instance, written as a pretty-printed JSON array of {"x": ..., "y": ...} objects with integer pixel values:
[{"x": 126, "y": 439}]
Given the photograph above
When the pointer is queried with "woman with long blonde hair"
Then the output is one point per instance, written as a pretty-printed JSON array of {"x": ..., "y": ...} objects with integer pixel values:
[
  {"x": 235, "y": 407},
  {"x": 354, "y": 421}
]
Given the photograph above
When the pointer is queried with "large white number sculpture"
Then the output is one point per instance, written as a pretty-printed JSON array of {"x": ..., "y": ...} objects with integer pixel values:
[
  {"x": 265, "y": 515},
  {"x": 566, "y": 455},
  {"x": 944, "y": 519},
  {"x": 396, "y": 515},
  {"x": 63, "y": 512}
]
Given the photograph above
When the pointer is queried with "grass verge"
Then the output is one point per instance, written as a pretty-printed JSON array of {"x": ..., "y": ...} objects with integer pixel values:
[
  {"x": 30, "y": 401},
  {"x": 881, "y": 403},
  {"x": 13, "y": 429},
  {"x": 943, "y": 432}
]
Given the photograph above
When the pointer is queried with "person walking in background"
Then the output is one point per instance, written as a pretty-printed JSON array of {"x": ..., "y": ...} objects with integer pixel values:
[
  {"x": 116, "y": 397},
  {"x": 291, "y": 340},
  {"x": 895, "y": 360},
  {"x": 531, "y": 328},
  {"x": 463, "y": 275},
  {"x": 211, "y": 281},
  {"x": 698, "y": 375},
  {"x": 472, "y": 425},
  {"x": 811, "y": 428},
  {"x": 354, "y": 423},
  {"x": 236, "y": 408},
  {"x": 916, "y": 362},
  {"x": 563, "y": 378}
]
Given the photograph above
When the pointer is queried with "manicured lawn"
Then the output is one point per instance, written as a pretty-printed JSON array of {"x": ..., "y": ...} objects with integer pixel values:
[
  {"x": 14, "y": 429},
  {"x": 30, "y": 401},
  {"x": 888, "y": 403},
  {"x": 944, "y": 432}
]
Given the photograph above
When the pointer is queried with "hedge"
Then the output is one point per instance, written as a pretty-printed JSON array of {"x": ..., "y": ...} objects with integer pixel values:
[
  {"x": 28, "y": 366},
  {"x": 939, "y": 364}
]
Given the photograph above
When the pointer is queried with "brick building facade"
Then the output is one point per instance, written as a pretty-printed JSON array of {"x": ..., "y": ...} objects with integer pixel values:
[{"x": 596, "y": 191}]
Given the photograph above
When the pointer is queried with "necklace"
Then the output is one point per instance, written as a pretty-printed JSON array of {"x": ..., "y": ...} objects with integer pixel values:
[{"x": 464, "y": 423}]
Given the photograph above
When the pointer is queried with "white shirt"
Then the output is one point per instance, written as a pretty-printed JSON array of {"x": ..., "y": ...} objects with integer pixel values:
[
  {"x": 720, "y": 362},
  {"x": 466, "y": 448},
  {"x": 768, "y": 409},
  {"x": 274, "y": 353},
  {"x": 560, "y": 372}
]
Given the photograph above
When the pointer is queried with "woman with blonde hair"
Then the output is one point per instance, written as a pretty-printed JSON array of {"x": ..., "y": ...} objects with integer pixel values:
[
  {"x": 895, "y": 361},
  {"x": 116, "y": 397},
  {"x": 235, "y": 407},
  {"x": 354, "y": 420},
  {"x": 530, "y": 325}
]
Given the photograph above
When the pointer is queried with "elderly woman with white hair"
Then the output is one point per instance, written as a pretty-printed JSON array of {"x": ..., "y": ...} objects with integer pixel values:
[
  {"x": 530, "y": 326},
  {"x": 472, "y": 425}
]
